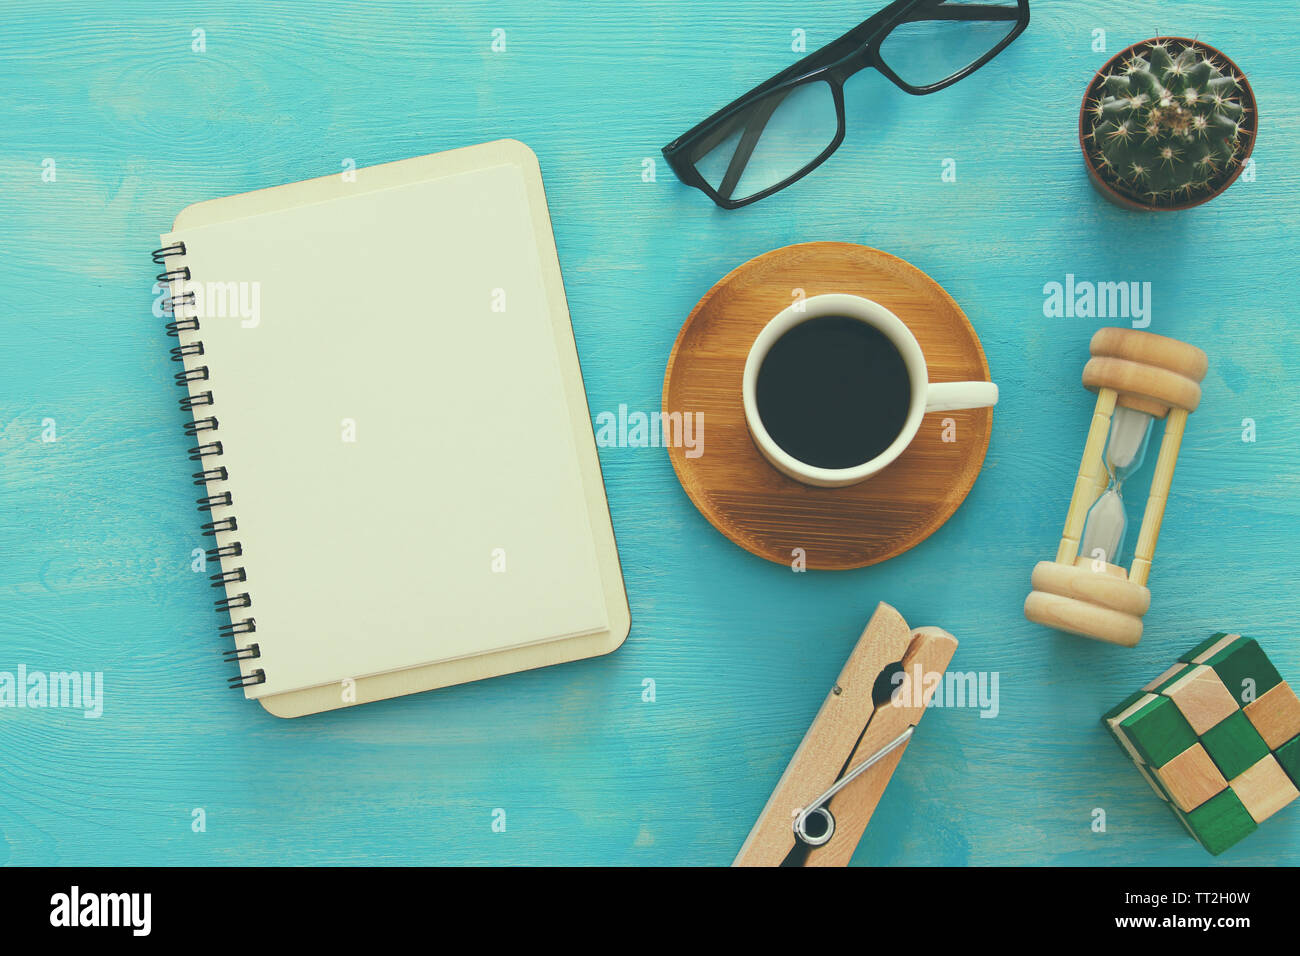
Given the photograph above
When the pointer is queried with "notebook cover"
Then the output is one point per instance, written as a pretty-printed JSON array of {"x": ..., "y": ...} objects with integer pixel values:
[{"x": 498, "y": 661}]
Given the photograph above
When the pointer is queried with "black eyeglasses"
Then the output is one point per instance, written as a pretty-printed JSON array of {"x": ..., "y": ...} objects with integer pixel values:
[{"x": 783, "y": 129}]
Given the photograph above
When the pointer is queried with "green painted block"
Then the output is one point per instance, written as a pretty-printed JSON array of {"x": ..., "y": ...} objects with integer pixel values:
[
  {"x": 1288, "y": 755},
  {"x": 1155, "y": 784},
  {"x": 1114, "y": 712},
  {"x": 1202, "y": 647},
  {"x": 1219, "y": 822},
  {"x": 1234, "y": 745},
  {"x": 1159, "y": 731},
  {"x": 1245, "y": 669},
  {"x": 1160, "y": 688}
]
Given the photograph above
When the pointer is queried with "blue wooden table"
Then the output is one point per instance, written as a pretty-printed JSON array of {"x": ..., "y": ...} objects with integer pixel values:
[{"x": 97, "y": 525}]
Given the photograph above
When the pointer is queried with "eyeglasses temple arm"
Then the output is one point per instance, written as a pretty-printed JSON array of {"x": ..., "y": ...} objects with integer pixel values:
[
  {"x": 962, "y": 11},
  {"x": 748, "y": 141}
]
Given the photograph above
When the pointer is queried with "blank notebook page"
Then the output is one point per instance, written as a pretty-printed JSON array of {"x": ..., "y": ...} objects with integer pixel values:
[{"x": 402, "y": 460}]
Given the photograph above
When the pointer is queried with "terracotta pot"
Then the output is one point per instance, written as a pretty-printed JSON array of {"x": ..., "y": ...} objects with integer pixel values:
[{"x": 1116, "y": 192}]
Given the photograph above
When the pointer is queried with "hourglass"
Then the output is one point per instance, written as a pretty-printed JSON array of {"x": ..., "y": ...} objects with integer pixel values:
[{"x": 1139, "y": 378}]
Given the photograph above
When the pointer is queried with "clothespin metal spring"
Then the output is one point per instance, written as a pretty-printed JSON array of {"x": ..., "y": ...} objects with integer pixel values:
[{"x": 823, "y": 826}]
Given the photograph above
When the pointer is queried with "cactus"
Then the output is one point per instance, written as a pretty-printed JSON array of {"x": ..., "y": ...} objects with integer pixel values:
[{"x": 1169, "y": 125}]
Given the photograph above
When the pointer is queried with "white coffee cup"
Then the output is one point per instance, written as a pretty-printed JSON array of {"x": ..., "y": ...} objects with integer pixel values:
[{"x": 926, "y": 396}]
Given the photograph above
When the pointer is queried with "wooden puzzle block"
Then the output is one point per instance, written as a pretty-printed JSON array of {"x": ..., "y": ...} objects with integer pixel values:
[
  {"x": 1126, "y": 704},
  {"x": 1155, "y": 785},
  {"x": 1209, "y": 647},
  {"x": 1244, "y": 670},
  {"x": 1158, "y": 731},
  {"x": 1201, "y": 697},
  {"x": 1264, "y": 789},
  {"x": 1166, "y": 677},
  {"x": 1288, "y": 755},
  {"x": 1111, "y": 720},
  {"x": 1220, "y": 822},
  {"x": 1276, "y": 715},
  {"x": 1191, "y": 778},
  {"x": 1234, "y": 744},
  {"x": 1217, "y": 737}
]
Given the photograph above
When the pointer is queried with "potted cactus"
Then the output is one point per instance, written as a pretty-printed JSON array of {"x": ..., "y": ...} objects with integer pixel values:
[{"x": 1167, "y": 123}]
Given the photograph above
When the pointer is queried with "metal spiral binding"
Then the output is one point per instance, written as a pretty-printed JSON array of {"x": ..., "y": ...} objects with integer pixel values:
[
  {"x": 221, "y": 579},
  {"x": 198, "y": 452},
  {"x": 175, "y": 249},
  {"x": 223, "y": 500},
  {"x": 210, "y": 473},
  {"x": 198, "y": 425},
  {"x": 242, "y": 627},
  {"x": 239, "y": 600},
  {"x": 169, "y": 304},
  {"x": 212, "y": 528}
]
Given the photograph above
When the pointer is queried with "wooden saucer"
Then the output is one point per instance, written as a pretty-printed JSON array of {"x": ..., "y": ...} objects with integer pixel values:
[{"x": 761, "y": 509}]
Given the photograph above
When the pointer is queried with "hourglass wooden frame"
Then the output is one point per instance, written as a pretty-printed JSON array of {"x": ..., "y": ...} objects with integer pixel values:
[{"x": 1147, "y": 373}]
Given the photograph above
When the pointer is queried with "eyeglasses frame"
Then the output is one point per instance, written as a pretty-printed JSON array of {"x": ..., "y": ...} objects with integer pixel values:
[{"x": 834, "y": 63}]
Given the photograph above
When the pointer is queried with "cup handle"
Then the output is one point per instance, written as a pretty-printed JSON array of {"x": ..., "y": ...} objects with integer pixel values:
[{"x": 950, "y": 396}]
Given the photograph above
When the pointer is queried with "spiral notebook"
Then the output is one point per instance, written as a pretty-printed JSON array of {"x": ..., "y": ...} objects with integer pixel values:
[{"x": 391, "y": 438}]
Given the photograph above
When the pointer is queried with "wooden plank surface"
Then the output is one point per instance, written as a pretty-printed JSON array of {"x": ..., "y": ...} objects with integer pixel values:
[{"x": 97, "y": 527}]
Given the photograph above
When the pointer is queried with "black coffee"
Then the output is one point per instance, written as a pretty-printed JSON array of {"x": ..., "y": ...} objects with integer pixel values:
[{"x": 833, "y": 392}]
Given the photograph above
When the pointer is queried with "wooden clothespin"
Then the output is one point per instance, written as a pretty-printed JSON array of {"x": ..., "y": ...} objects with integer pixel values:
[{"x": 825, "y": 799}]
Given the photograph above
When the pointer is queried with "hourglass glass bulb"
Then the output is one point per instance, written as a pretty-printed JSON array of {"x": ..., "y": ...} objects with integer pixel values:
[
  {"x": 1107, "y": 521},
  {"x": 1103, "y": 533},
  {"x": 1126, "y": 445}
]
